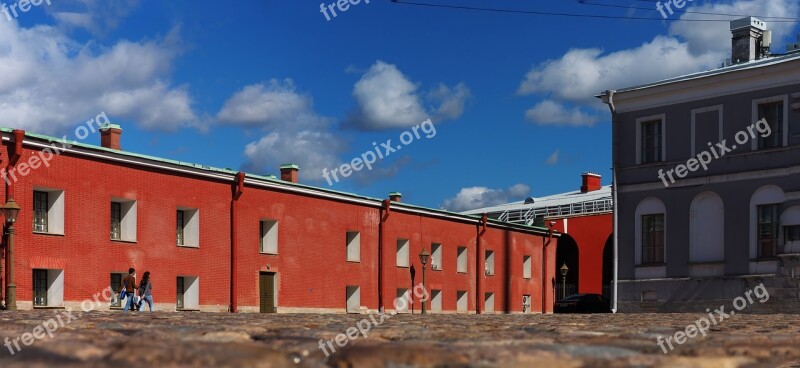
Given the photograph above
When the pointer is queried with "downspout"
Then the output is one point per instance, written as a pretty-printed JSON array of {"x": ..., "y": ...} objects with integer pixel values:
[
  {"x": 19, "y": 137},
  {"x": 544, "y": 265},
  {"x": 384, "y": 213},
  {"x": 608, "y": 99},
  {"x": 481, "y": 229},
  {"x": 237, "y": 193}
]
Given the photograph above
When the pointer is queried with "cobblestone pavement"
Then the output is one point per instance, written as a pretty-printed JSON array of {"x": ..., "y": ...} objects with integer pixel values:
[{"x": 114, "y": 339}]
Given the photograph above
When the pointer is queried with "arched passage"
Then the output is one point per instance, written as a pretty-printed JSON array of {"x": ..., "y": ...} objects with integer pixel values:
[
  {"x": 567, "y": 254},
  {"x": 608, "y": 266}
]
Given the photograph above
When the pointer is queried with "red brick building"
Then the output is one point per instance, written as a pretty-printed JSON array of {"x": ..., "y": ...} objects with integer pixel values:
[{"x": 219, "y": 240}]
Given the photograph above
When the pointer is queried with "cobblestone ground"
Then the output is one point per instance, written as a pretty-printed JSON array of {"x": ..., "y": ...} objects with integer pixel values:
[{"x": 114, "y": 339}]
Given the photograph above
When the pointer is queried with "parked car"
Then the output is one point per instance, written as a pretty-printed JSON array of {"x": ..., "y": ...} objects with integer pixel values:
[{"x": 583, "y": 303}]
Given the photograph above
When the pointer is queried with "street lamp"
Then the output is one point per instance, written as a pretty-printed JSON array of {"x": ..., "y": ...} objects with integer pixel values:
[
  {"x": 423, "y": 258},
  {"x": 564, "y": 270},
  {"x": 10, "y": 211}
]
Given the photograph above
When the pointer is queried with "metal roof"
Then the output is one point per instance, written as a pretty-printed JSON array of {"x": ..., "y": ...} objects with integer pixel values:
[{"x": 557, "y": 205}]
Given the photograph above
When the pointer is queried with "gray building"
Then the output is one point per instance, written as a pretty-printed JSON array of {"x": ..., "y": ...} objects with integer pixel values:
[{"x": 707, "y": 182}]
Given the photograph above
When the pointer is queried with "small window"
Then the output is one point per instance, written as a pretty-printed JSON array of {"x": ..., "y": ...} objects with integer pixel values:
[
  {"x": 462, "y": 301},
  {"x": 462, "y": 260},
  {"x": 188, "y": 293},
  {"x": 651, "y": 141},
  {"x": 48, "y": 211},
  {"x": 403, "y": 249},
  {"x": 116, "y": 288},
  {"x": 353, "y": 294},
  {"x": 767, "y": 230},
  {"x": 403, "y": 301},
  {"x": 488, "y": 303},
  {"x": 436, "y": 301},
  {"x": 653, "y": 239},
  {"x": 269, "y": 236},
  {"x": 187, "y": 221},
  {"x": 353, "y": 240},
  {"x": 489, "y": 265},
  {"x": 792, "y": 233},
  {"x": 40, "y": 288},
  {"x": 123, "y": 220},
  {"x": 48, "y": 288},
  {"x": 181, "y": 291},
  {"x": 773, "y": 113},
  {"x": 526, "y": 267},
  {"x": 436, "y": 256}
]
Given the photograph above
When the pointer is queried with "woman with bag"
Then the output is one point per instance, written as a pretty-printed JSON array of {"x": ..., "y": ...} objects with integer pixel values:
[{"x": 145, "y": 291}]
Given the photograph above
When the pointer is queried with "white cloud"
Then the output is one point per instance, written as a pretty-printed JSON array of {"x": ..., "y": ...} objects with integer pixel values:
[
  {"x": 387, "y": 99},
  {"x": 479, "y": 197},
  {"x": 293, "y": 131},
  {"x": 51, "y": 81},
  {"x": 96, "y": 16},
  {"x": 690, "y": 47},
  {"x": 553, "y": 159},
  {"x": 549, "y": 112}
]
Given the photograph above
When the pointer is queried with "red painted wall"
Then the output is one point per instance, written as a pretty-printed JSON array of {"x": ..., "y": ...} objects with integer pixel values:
[{"x": 590, "y": 233}]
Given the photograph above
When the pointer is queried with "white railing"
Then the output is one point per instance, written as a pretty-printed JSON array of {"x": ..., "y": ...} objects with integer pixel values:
[{"x": 528, "y": 216}]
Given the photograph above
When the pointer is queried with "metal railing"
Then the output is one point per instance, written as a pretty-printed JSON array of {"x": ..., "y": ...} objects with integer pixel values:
[{"x": 528, "y": 216}]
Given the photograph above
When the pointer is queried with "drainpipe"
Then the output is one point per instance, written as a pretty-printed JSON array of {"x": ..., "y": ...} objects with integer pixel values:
[
  {"x": 237, "y": 193},
  {"x": 384, "y": 213},
  {"x": 544, "y": 265},
  {"x": 481, "y": 229},
  {"x": 19, "y": 137},
  {"x": 608, "y": 99}
]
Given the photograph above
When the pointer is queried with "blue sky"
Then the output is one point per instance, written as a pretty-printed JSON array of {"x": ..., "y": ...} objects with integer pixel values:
[{"x": 256, "y": 83}]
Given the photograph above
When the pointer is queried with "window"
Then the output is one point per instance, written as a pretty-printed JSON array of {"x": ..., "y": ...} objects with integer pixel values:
[
  {"x": 48, "y": 288},
  {"x": 489, "y": 265},
  {"x": 436, "y": 301},
  {"x": 353, "y": 294},
  {"x": 353, "y": 240},
  {"x": 651, "y": 141},
  {"x": 791, "y": 233},
  {"x": 188, "y": 227},
  {"x": 488, "y": 303},
  {"x": 403, "y": 300},
  {"x": 40, "y": 207},
  {"x": 767, "y": 230},
  {"x": 48, "y": 211},
  {"x": 773, "y": 113},
  {"x": 269, "y": 236},
  {"x": 462, "y": 260},
  {"x": 188, "y": 293},
  {"x": 526, "y": 267},
  {"x": 403, "y": 249},
  {"x": 653, "y": 239},
  {"x": 123, "y": 219},
  {"x": 436, "y": 257},
  {"x": 462, "y": 301},
  {"x": 181, "y": 288},
  {"x": 116, "y": 284}
]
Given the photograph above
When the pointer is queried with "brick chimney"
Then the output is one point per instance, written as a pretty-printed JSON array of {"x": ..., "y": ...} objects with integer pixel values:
[
  {"x": 590, "y": 182},
  {"x": 395, "y": 196},
  {"x": 110, "y": 135},
  {"x": 750, "y": 40},
  {"x": 290, "y": 172}
]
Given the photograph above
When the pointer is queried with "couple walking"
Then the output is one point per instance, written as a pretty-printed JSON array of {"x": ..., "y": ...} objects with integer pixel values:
[{"x": 129, "y": 290}]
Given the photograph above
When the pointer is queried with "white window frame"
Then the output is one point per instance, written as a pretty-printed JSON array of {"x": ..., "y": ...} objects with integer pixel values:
[
  {"x": 527, "y": 267},
  {"x": 436, "y": 301},
  {"x": 403, "y": 253},
  {"x": 489, "y": 262},
  {"x": 269, "y": 232},
  {"x": 353, "y": 245},
  {"x": 128, "y": 219},
  {"x": 191, "y": 227},
  {"x": 754, "y": 117},
  {"x": 436, "y": 256},
  {"x": 639, "y": 121},
  {"x": 462, "y": 301},
  {"x": 55, "y": 210},
  {"x": 488, "y": 303},
  {"x": 353, "y": 298},
  {"x": 55, "y": 288},
  {"x": 462, "y": 260},
  {"x": 703, "y": 110},
  {"x": 403, "y": 306},
  {"x": 191, "y": 293}
]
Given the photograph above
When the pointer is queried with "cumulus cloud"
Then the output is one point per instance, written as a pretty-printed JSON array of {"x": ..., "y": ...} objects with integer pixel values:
[
  {"x": 96, "y": 16},
  {"x": 51, "y": 81},
  {"x": 479, "y": 197},
  {"x": 553, "y": 159},
  {"x": 386, "y": 99},
  {"x": 293, "y": 131},
  {"x": 549, "y": 112},
  {"x": 689, "y": 47}
]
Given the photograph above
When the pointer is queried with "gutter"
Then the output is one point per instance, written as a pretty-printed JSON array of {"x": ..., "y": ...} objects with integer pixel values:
[
  {"x": 384, "y": 214},
  {"x": 544, "y": 266},
  {"x": 237, "y": 193},
  {"x": 608, "y": 99},
  {"x": 480, "y": 274}
]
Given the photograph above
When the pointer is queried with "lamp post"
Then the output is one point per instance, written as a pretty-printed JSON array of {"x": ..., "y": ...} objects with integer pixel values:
[
  {"x": 564, "y": 270},
  {"x": 11, "y": 210},
  {"x": 423, "y": 258}
]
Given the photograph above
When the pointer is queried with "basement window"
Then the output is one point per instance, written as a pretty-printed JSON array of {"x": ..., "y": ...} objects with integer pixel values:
[
  {"x": 353, "y": 294},
  {"x": 48, "y": 288},
  {"x": 436, "y": 301},
  {"x": 188, "y": 293},
  {"x": 462, "y": 300},
  {"x": 488, "y": 303}
]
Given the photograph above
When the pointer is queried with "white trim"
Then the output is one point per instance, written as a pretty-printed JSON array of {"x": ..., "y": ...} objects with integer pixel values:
[
  {"x": 700, "y": 111},
  {"x": 639, "y": 121},
  {"x": 754, "y": 117},
  {"x": 716, "y": 179}
]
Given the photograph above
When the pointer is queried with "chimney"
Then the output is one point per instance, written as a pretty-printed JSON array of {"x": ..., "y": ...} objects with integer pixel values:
[
  {"x": 290, "y": 172},
  {"x": 395, "y": 196},
  {"x": 590, "y": 182},
  {"x": 110, "y": 136},
  {"x": 750, "y": 40}
]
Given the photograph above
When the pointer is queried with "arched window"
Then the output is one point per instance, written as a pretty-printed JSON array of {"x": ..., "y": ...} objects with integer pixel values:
[
  {"x": 707, "y": 228},
  {"x": 651, "y": 225},
  {"x": 764, "y": 221}
]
